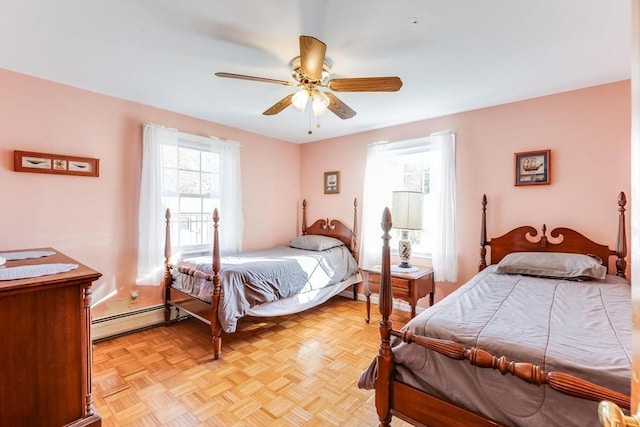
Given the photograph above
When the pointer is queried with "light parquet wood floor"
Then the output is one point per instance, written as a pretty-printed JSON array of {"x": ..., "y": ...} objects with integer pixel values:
[{"x": 297, "y": 370}]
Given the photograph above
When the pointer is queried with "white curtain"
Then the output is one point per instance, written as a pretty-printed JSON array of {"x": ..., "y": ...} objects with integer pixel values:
[
  {"x": 231, "y": 222},
  {"x": 151, "y": 209},
  {"x": 444, "y": 247},
  {"x": 150, "y": 212},
  {"x": 377, "y": 196}
]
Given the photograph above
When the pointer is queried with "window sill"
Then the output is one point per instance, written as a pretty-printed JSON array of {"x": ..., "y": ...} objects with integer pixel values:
[{"x": 194, "y": 252}]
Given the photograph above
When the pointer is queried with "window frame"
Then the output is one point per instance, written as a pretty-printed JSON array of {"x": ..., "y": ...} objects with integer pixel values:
[
  {"x": 193, "y": 142},
  {"x": 424, "y": 250}
]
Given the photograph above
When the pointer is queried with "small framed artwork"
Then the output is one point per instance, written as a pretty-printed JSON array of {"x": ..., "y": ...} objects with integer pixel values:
[
  {"x": 332, "y": 182},
  {"x": 28, "y": 161},
  {"x": 532, "y": 167}
]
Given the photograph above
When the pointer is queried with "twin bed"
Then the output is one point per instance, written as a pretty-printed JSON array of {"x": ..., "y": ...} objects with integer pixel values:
[
  {"x": 537, "y": 338},
  {"x": 277, "y": 281}
]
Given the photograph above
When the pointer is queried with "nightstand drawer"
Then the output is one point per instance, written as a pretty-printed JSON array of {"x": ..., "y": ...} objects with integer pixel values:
[
  {"x": 400, "y": 287},
  {"x": 408, "y": 286}
]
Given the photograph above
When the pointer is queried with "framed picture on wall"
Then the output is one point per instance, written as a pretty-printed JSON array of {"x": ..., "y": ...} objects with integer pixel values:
[
  {"x": 532, "y": 167},
  {"x": 332, "y": 182},
  {"x": 61, "y": 164}
]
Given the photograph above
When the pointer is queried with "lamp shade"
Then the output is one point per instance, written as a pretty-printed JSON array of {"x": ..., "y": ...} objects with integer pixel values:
[{"x": 406, "y": 210}]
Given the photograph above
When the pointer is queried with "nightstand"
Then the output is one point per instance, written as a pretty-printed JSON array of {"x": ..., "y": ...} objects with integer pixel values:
[{"x": 409, "y": 287}]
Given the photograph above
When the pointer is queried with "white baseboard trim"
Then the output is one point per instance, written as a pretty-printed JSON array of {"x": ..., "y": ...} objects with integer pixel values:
[
  {"x": 122, "y": 323},
  {"x": 375, "y": 299}
]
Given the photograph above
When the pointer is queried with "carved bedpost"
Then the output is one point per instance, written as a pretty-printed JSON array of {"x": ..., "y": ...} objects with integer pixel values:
[
  {"x": 355, "y": 246},
  {"x": 304, "y": 216},
  {"x": 621, "y": 244},
  {"x": 216, "y": 326},
  {"x": 483, "y": 235},
  {"x": 166, "y": 279},
  {"x": 385, "y": 355}
]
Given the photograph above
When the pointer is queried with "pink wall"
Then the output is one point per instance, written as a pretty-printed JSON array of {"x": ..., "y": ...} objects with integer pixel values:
[
  {"x": 588, "y": 132},
  {"x": 94, "y": 220}
]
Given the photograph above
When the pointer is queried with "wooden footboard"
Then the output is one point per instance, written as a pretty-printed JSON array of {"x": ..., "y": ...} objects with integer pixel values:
[
  {"x": 207, "y": 312},
  {"x": 418, "y": 407}
]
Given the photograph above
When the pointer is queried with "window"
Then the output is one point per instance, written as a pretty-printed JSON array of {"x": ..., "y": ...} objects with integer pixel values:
[
  {"x": 191, "y": 175},
  {"x": 423, "y": 164},
  {"x": 190, "y": 188},
  {"x": 411, "y": 172}
]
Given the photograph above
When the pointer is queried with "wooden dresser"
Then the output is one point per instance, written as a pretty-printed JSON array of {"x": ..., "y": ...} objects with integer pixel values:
[{"x": 45, "y": 334}]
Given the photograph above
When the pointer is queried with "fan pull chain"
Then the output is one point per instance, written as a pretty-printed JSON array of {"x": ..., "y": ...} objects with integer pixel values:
[{"x": 310, "y": 132}]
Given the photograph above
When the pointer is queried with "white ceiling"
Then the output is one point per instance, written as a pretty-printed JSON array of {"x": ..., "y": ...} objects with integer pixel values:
[{"x": 459, "y": 55}]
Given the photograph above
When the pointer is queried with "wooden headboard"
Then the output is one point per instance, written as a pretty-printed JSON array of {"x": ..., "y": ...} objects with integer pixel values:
[
  {"x": 525, "y": 239},
  {"x": 334, "y": 228}
]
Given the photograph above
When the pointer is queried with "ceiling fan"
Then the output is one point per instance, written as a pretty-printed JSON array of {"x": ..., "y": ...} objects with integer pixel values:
[{"x": 310, "y": 72}]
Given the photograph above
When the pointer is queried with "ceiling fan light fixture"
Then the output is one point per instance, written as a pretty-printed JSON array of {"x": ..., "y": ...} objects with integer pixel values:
[
  {"x": 319, "y": 102},
  {"x": 300, "y": 99},
  {"x": 310, "y": 72}
]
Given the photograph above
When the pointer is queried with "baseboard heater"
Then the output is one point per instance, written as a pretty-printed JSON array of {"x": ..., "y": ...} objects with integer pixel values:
[
  {"x": 148, "y": 317},
  {"x": 131, "y": 321}
]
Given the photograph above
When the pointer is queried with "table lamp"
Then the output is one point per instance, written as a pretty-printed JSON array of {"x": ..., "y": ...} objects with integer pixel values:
[{"x": 406, "y": 214}]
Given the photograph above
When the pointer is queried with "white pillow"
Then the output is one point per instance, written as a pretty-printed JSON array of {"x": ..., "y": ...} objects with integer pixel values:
[
  {"x": 553, "y": 264},
  {"x": 313, "y": 242}
]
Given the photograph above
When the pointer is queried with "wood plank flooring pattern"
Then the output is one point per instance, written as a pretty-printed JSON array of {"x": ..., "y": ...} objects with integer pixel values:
[{"x": 297, "y": 370}]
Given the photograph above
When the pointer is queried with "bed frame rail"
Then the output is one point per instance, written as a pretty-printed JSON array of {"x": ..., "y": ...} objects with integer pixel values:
[{"x": 529, "y": 372}]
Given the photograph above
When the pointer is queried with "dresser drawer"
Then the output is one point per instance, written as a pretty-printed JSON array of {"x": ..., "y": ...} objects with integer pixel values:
[{"x": 400, "y": 287}]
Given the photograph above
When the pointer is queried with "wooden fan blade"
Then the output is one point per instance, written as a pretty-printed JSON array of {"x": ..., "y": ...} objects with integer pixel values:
[
  {"x": 366, "y": 84},
  {"x": 257, "y": 79},
  {"x": 339, "y": 108},
  {"x": 279, "y": 106},
  {"x": 312, "y": 53}
]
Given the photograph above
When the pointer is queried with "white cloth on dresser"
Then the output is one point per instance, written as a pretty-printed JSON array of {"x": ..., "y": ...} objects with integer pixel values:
[
  {"x": 14, "y": 256},
  {"x": 36, "y": 270}
]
